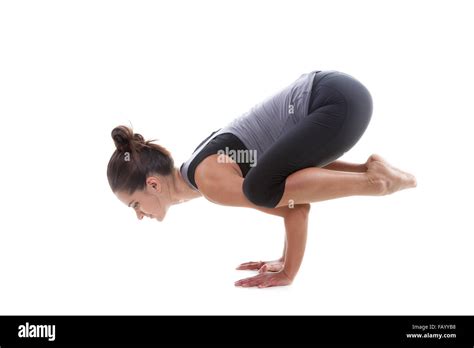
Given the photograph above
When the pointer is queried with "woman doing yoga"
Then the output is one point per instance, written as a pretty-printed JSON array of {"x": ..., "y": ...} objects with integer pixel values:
[{"x": 279, "y": 157}]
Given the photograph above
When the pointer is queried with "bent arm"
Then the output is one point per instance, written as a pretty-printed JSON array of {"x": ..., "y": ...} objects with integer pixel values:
[
  {"x": 222, "y": 185},
  {"x": 226, "y": 189}
]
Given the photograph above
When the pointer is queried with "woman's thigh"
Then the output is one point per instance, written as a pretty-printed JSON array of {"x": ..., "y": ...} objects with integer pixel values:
[
  {"x": 337, "y": 89},
  {"x": 338, "y": 116}
]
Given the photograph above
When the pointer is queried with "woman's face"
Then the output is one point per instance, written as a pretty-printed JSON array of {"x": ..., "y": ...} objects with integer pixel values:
[{"x": 152, "y": 202}]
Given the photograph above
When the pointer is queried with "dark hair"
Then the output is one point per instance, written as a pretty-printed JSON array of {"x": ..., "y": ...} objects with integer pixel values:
[{"x": 134, "y": 160}]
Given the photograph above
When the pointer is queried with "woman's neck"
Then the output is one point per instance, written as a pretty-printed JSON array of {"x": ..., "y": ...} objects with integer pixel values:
[{"x": 182, "y": 192}]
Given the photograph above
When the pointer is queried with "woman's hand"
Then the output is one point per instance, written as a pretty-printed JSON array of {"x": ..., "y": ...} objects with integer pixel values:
[
  {"x": 263, "y": 266},
  {"x": 265, "y": 280}
]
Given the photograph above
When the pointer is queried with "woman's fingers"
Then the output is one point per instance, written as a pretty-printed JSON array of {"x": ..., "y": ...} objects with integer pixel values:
[
  {"x": 250, "y": 265},
  {"x": 252, "y": 281},
  {"x": 246, "y": 281},
  {"x": 265, "y": 280},
  {"x": 261, "y": 266},
  {"x": 265, "y": 285},
  {"x": 271, "y": 267}
]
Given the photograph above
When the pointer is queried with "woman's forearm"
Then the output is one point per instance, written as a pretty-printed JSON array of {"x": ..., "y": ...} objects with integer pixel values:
[
  {"x": 346, "y": 167},
  {"x": 296, "y": 226},
  {"x": 336, "y": 165},
  {"x": 282, "y": 258}
]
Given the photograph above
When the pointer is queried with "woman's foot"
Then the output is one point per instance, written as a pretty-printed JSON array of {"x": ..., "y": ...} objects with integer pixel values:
[{"x": 386, "y": 177}]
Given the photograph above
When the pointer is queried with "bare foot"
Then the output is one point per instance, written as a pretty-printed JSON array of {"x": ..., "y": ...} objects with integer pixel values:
[
  {"x": 374, "y": 157},
  {"x": 388, "y": 177}
]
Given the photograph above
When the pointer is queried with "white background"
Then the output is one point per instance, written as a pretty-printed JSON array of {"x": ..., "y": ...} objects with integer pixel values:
[{"x": 70, "y": 71}]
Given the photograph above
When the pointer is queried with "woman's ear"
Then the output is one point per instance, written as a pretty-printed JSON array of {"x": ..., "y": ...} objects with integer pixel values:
[{"x": 154, "y": 183}]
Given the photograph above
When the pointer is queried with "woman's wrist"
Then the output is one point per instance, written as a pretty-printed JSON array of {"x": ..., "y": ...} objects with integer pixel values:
[{"x": 288, "y": 274}]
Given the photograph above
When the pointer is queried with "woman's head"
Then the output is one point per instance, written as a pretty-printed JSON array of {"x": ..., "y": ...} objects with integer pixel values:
[{"x": 140, "y": 173}]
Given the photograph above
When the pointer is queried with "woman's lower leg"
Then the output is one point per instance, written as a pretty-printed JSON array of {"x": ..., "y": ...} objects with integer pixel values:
[
  {"x": 319, "y": 184},
  {"x": 346, "y": 166}
]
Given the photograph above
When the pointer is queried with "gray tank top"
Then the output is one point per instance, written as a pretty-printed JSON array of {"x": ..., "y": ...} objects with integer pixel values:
[{"x": 265, "y": 122}]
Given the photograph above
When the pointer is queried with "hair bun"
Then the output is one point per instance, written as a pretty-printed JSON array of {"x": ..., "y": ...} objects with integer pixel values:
[
  {"x": 122, "y": 137},
  {"x": 138, "y": 138}
]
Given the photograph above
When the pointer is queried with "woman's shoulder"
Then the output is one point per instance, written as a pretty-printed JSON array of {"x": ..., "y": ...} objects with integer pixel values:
[
  {"x": 220, "y": 181},
  {"x": 214, "y": 169}
]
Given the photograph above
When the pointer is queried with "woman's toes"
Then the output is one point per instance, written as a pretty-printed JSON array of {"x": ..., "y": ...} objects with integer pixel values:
[
  {"x": 411, "y": 180},
  {"x": 389, "y": 178},
  {"x": 376, "y": 157}
]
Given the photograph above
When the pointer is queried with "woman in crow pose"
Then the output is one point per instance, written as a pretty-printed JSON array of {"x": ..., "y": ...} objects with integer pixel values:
[{"x": 279, "y": 157}]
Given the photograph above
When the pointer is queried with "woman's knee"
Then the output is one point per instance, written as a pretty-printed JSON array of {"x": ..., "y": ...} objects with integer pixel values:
[
  {"x": 303, "y": 209},
  {"x": 259, "y": 192}
]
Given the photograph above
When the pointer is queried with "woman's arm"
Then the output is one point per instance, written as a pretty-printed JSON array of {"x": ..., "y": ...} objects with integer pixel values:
[
  {"x": 296, "y": 226},
  {"x": 222, "y": 185}
]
